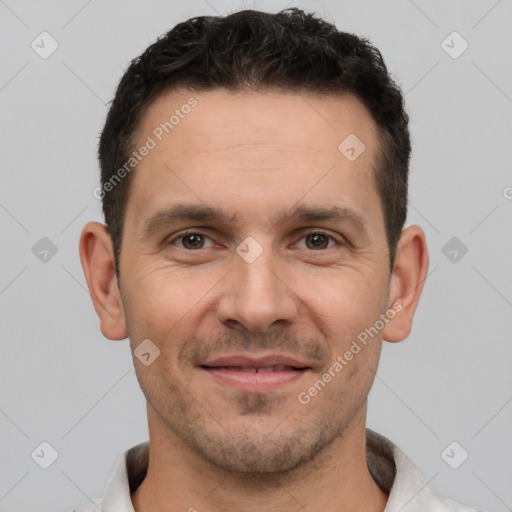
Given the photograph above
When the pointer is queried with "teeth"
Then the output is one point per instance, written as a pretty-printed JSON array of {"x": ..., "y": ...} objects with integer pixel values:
[
  {"x": 266, "y": 369},
  {"x": 245, "y": 369}
]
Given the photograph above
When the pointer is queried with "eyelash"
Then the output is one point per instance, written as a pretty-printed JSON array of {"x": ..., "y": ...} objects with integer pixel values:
[{"x": 195, "y": 232}]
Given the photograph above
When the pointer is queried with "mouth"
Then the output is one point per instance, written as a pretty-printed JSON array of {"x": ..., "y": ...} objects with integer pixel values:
[
  {"x": 256, "y": 374},
  {"x": 256, "y": 369}
]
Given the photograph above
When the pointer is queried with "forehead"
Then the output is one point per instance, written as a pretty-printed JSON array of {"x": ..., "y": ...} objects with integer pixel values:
[
  {"x": 220, "y": 119},
  {"x": 271, "y": 147}
]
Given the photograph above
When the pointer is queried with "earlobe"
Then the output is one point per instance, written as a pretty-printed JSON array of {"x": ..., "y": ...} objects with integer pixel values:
[
  {"x": 97, "y": 257},
  {"x": 407, "y": 280}
]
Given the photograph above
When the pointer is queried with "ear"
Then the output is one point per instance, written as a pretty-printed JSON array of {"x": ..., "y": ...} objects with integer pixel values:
[
  {"x": 407, "y": 279},
  {"x": 97, "y": 257}
]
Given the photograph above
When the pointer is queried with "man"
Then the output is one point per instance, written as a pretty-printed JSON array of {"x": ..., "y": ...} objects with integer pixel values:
[{"x": 254, "y": 184}]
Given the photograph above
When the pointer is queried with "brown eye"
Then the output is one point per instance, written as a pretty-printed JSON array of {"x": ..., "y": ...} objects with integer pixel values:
[
  {"x": 192, "y": 241},
  {"x": 317, "y": 241}
]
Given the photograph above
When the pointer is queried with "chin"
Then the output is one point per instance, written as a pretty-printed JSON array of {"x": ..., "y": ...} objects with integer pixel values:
[{"x": 260, "y": 453}]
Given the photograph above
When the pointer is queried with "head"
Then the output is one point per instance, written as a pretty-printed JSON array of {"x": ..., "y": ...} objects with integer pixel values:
[{"x": 258, "y": 216}]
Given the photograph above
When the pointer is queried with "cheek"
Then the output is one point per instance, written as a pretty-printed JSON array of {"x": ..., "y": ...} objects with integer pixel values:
[
  {"x": 344, "y": 303},
  {"x": 159, "y": 303},
  {"x": 356, "y": 344}
]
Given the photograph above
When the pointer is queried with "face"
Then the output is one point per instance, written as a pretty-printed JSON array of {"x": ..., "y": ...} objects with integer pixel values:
[{"x": 254, "y": 255}]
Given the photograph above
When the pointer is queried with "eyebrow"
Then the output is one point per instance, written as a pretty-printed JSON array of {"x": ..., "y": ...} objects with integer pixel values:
[{"x": 203, "y": 213}]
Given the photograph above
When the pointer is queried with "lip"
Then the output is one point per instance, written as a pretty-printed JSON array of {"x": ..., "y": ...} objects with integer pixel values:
[
  {"x": 235, "y": 371},
  {"x": 257, "y": 362}
]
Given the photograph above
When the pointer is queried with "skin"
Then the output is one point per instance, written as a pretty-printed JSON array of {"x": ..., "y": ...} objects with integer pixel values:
[{"x": 214, "y": 447}]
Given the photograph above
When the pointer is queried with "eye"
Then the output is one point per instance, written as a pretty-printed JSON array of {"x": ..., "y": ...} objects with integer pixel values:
[
  {"x": 318, "y": 240},
  {"x": 192, "y": 241}
]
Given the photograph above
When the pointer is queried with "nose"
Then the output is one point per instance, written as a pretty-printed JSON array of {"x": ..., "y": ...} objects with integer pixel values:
[{"x": 257, "y": 295}]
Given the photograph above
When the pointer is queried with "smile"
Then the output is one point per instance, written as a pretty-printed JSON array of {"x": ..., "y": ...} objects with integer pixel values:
[
  {"x": 253, "y": 379},
  {"x": 264, "y": 369}
]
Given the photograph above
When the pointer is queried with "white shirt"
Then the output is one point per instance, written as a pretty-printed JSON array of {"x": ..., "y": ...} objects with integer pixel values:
[{"x": 391, "y": 469}]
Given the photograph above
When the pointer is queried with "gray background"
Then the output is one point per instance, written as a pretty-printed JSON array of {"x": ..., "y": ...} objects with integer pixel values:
[{"x": 63, "y": 383}]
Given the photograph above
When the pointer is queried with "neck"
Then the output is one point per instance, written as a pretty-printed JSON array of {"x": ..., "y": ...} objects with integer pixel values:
[{"x": 337, "y": 479}]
